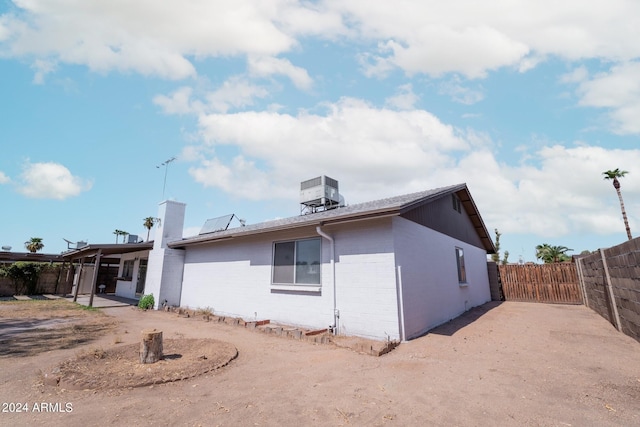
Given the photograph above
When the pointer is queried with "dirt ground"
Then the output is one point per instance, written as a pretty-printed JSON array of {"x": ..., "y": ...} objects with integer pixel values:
[{"x": 508, "y": 364}]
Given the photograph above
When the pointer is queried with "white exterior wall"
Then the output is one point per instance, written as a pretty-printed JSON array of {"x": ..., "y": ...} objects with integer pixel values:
[
  {"x": 84, "y": 278},
  {"x": 127, "y": 288},
  {"x": 234, "y": 279},
  {"x": 365, "y": 279},
  {"x": 430, "y": 288}
]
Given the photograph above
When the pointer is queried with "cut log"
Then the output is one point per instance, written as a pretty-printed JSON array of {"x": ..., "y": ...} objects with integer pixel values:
[{"x": 151, "y": 346}]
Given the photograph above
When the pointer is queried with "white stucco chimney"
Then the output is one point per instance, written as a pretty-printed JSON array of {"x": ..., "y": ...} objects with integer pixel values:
[
  {"x": 164, "y": 271},
  {"x": 171, "y": 224}
]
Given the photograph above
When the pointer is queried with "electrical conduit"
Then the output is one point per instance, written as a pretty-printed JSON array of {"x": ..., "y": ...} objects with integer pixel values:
[{"x": 336, "y": 315}]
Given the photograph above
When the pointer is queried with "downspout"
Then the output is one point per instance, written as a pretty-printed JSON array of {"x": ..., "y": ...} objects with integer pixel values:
[
  {"x": 336, "y": 313},
  {"x": 403, "y": 336}
]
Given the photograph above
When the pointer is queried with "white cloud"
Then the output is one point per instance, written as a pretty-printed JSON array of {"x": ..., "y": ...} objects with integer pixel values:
[
  {"x": 618, "y": 91},
  {"x": 460, "y": 93},
  {"x": 4, "y": 179},
  {"x": 42, "y": 67},
  {"x": 471, "y": 38},
  {"x": 268, "y": 66},
  {"x": 404, "y": 99},
  {"x": 352, "y": 139},
  {"x": 50, "y": 181},
  {"x": 147, "y": 37},
  {"x": 465, "y": 37},
  {"x": 374, "y": 153},
  {"x": 179, "y": 102},
  {"x": 236, "y": 92}
]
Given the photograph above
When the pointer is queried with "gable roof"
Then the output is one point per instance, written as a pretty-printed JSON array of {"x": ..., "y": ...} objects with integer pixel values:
[{"x": 392, "y": 206}]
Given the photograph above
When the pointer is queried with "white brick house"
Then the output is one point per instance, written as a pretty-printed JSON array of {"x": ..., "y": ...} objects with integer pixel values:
[{"x": 391, "y": 268}]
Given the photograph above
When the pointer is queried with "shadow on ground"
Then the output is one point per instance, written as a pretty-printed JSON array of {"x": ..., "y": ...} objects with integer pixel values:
[
  {"x": 21, "y": 338},
  {"x": 465, "y": 319}
]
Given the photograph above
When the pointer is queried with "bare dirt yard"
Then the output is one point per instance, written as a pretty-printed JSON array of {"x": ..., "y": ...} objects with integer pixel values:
[{"x": 508, "y": 364}]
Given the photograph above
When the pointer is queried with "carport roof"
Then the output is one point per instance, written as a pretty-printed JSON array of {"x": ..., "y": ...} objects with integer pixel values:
[
  {"x": 29, "y": 256},
  {"x": 106, "y": 250}
]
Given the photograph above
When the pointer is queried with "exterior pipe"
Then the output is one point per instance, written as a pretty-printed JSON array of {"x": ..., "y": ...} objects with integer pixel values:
[
  {"x": 401, "y": 298},
  {"x": 336, "y": 316}
]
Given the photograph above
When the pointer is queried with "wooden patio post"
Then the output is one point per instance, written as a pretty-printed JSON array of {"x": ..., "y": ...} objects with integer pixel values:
[
  {"x": 94, "y": 280},
  {"x": 75, "y": 292}
]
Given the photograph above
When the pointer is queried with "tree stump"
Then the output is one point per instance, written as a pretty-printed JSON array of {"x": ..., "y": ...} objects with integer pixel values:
[{"x": 151, "y": 346}]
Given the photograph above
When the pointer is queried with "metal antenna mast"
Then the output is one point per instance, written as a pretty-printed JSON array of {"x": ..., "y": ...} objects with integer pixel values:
[{"x": 166, "y": 169}]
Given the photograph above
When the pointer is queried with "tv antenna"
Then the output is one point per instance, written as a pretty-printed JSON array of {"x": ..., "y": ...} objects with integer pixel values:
[{"x": 166, "y": 169}]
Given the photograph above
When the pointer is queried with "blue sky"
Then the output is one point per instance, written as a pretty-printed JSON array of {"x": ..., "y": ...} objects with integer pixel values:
[{"x": 528, "y": 102}]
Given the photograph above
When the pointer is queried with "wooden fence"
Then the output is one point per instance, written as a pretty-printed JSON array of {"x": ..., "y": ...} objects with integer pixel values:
[{"x": 547, "y": 283}]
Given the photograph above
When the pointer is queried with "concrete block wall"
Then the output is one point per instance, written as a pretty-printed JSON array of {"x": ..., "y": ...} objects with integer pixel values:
[
  {"x": 366, "y": 279},
  {"x": 51, "y": 280},
  {"x": 431, "y": 292},
  {"x": 623, "y": 267},
  {"x": 234, "y": 279},
  {"x": 593, "y": 282}
]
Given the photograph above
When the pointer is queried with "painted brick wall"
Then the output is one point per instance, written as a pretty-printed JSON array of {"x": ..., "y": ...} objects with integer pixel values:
[
  {"x": 234, "y": 278},
  {"x": 430, "y": 288},
  {"x": 366, "y": 281}
]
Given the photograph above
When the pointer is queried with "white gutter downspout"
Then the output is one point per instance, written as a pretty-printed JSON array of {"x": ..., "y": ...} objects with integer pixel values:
[
  {"x": 336, "y": 313},
  {"x": 403, "y": 338}
]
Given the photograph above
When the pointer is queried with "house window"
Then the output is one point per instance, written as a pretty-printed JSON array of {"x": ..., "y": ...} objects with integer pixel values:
[
  {"x": 127, "y": 269},
  {"x": 297, "y": 262},
  {"x": 462, "y": 271},
  {"x": 457, "y": 205}
]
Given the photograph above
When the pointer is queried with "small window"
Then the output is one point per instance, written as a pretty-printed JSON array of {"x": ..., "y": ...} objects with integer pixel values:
[
  {"x": 457, "y": 205},
  {"x": 297, "y": 262},
  {"x": 462, "y": 271},
  {"x": 127, "y": 269}
]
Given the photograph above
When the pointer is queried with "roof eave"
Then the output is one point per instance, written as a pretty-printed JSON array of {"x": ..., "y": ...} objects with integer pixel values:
[{"x": 361, "y": 216}]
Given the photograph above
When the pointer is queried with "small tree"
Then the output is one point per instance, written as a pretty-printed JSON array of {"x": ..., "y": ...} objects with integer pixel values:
[
  {"x": 34, "y": 245},
  {"x": 24, "y": 276},
  {"x": 505, "y": 260},
  {"x": 496, "y": 257}
]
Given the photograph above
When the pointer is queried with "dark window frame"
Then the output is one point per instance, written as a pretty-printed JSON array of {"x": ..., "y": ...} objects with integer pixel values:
[
  {"x": 128, "y": 266},
  {"x": 461, "y": 266},
  {"x": 290, "y": 266}
]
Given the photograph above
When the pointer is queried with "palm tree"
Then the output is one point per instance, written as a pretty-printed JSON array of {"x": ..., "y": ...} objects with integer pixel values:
[
  {"x": 34, "y": 245},
  {"x": 614, "y": 175},
  {"x": 119, "y": 233},
  {"x": 550, "y": 254},
  {"x": 149, "y": 222}
]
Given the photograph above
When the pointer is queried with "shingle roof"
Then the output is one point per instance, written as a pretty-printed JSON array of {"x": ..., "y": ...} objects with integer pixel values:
[{"x": 376, "y": 208}]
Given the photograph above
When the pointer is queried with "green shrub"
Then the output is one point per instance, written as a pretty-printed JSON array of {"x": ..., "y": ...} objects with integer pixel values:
[{"x": 146, "y": 302}]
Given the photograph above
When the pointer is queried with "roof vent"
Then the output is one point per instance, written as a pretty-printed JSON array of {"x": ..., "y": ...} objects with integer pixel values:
[{"x": 319, "y": 194}]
